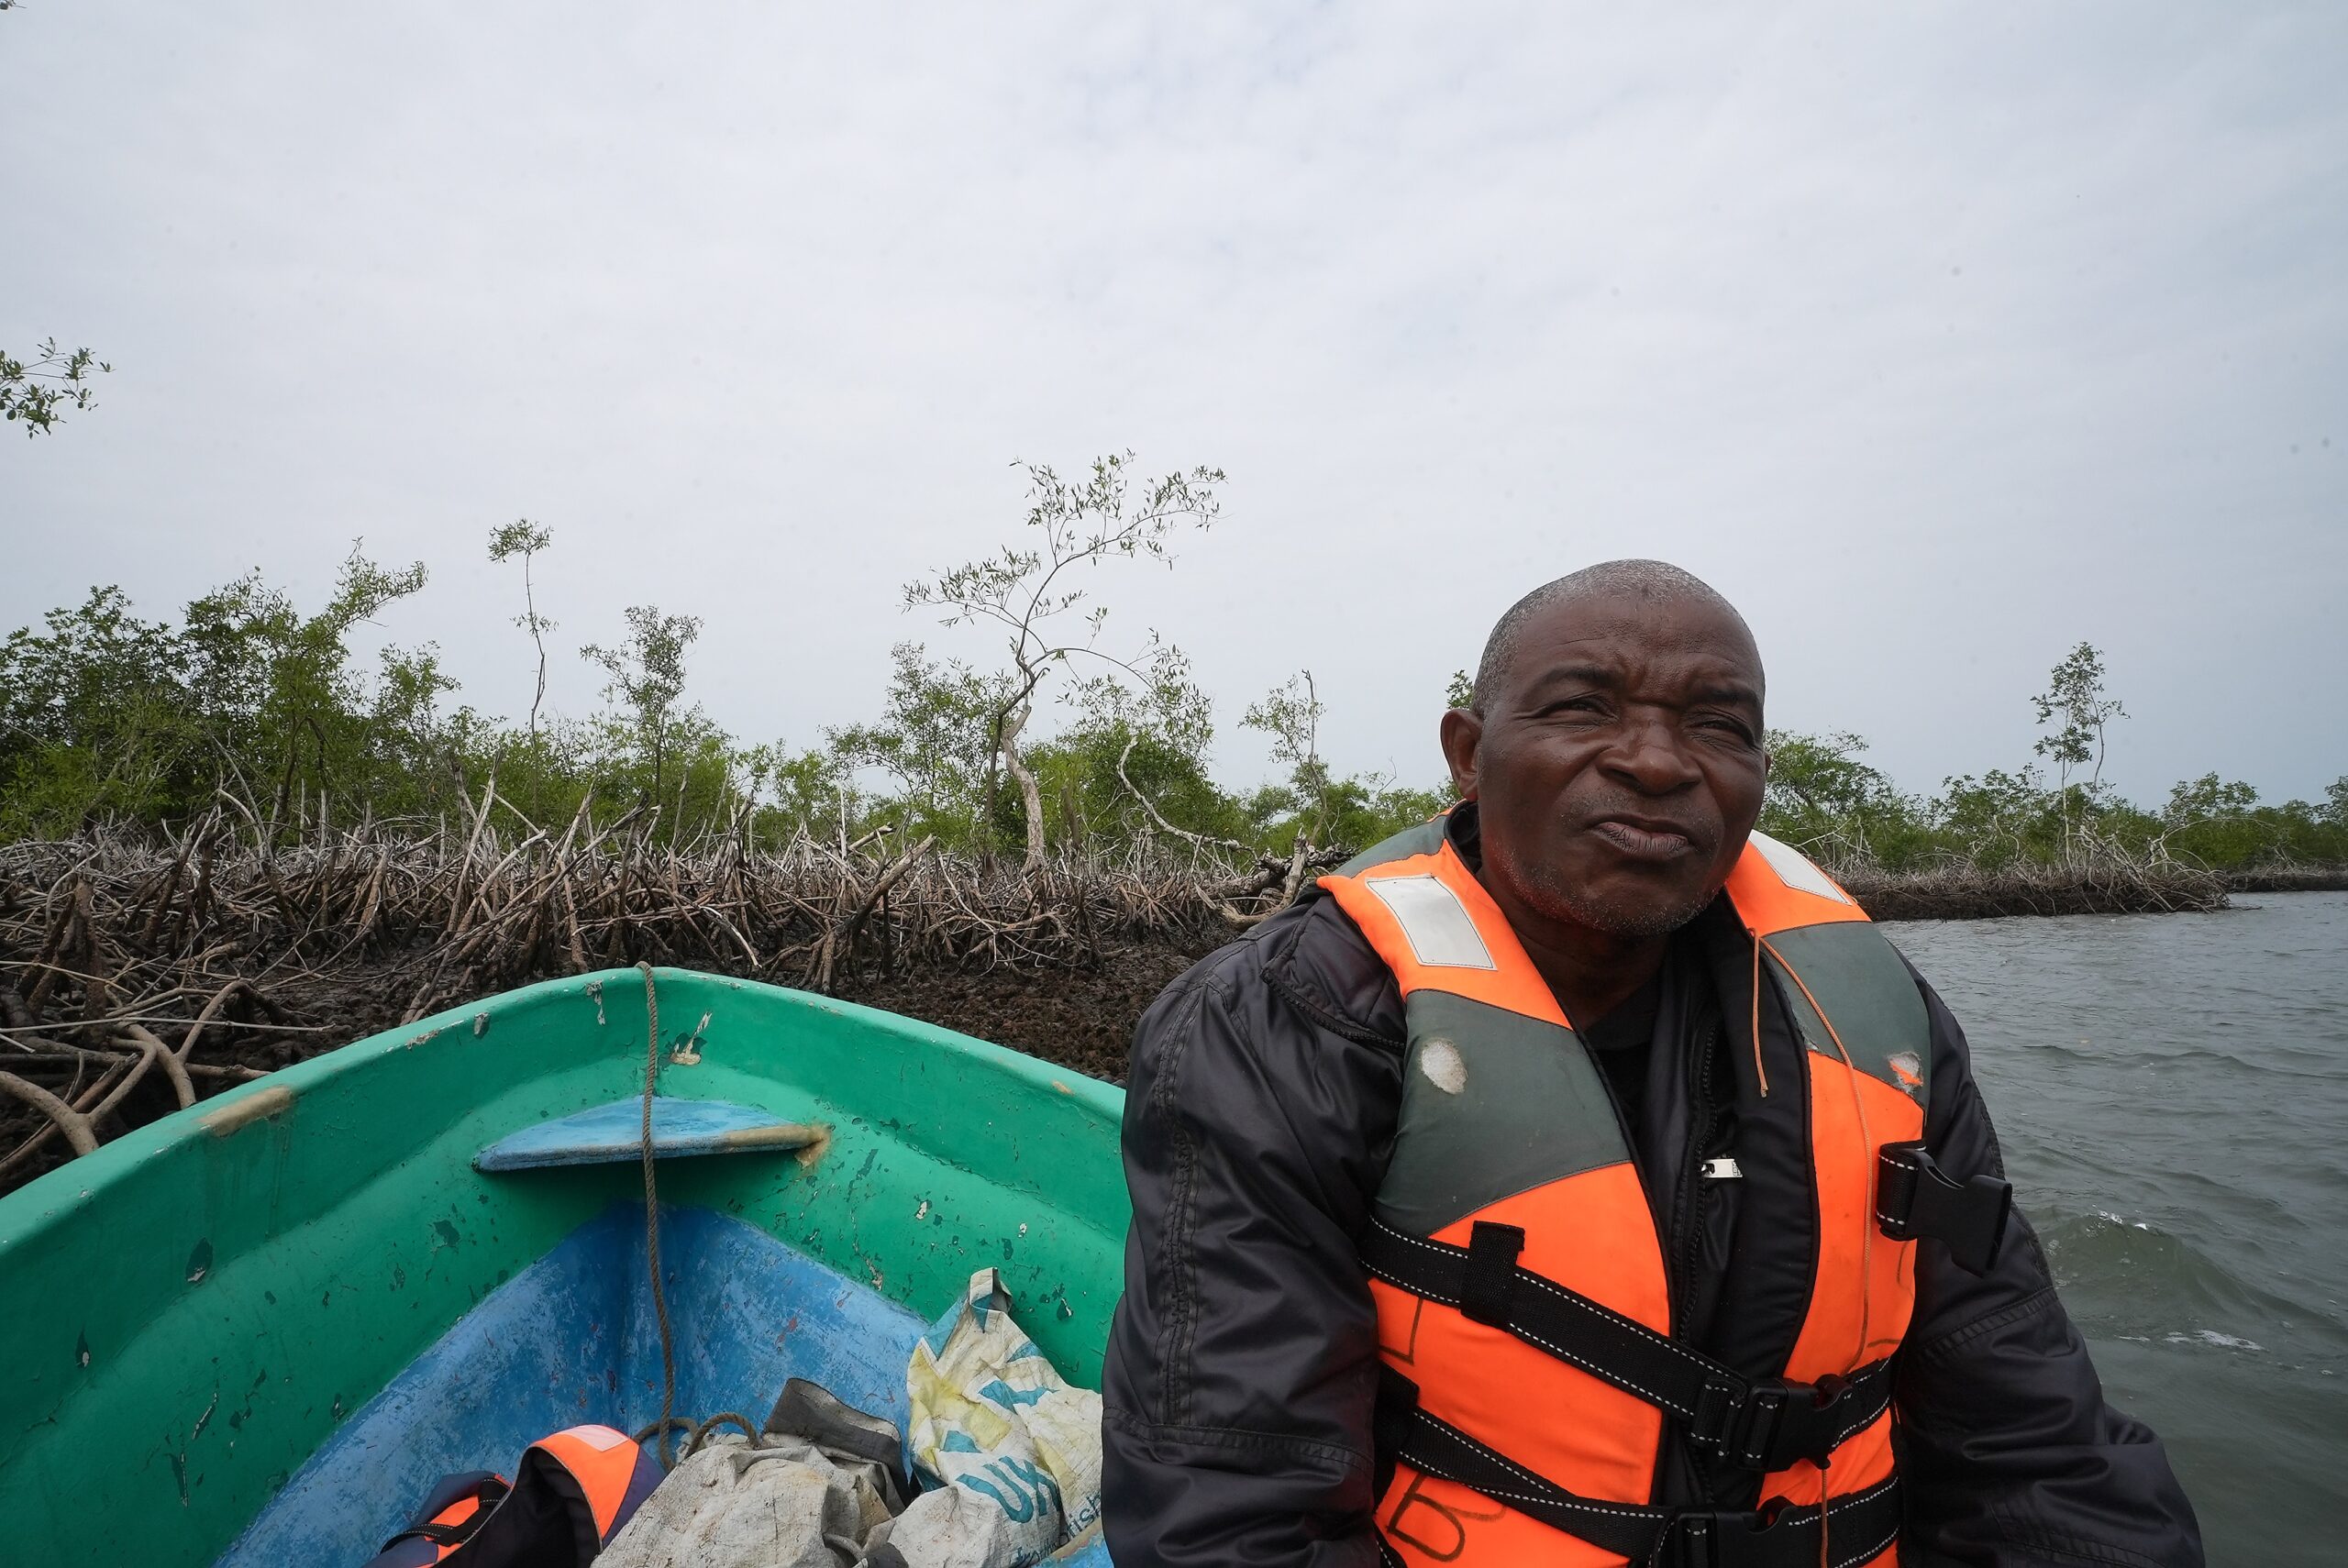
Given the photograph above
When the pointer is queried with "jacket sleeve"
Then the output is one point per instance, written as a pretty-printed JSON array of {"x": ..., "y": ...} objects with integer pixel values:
[
  {"x": 1242, "y": 1362},
  {"x": 2009, "y": 1451}
]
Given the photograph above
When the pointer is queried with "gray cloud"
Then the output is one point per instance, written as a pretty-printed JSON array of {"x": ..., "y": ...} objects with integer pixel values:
[{"x": 1939, "y": 339}]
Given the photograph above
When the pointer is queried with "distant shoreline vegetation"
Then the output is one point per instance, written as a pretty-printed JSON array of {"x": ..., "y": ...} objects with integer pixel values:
[
  {"x": 226, "y": 846},
  {"x": 252, "y": 710},
  {"x": 2050, "y": 836}
]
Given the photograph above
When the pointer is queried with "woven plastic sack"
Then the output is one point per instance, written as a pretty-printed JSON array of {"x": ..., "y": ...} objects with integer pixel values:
[{"x": 1010, "y": 1452}]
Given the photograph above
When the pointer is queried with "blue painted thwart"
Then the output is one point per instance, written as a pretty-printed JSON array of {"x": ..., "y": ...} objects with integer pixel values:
[{"x": 604, "y": 1134}]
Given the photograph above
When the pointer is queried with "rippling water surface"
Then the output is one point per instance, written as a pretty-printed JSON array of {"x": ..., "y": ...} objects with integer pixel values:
[{"x": 2172, "y": 1094}]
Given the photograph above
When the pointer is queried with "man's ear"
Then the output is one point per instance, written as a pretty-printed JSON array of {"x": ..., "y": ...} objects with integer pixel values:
[{"x": 1462, "y": 734}]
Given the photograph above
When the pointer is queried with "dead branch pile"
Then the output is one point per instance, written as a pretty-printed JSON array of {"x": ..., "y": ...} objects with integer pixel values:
[{"x": 140, "y": 975}]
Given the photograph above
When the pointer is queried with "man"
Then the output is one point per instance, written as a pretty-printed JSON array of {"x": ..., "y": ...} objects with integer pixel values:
[{"x": 1582, "y": 1179}]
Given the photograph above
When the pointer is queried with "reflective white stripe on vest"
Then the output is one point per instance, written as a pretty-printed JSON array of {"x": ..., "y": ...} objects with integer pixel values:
[
  {"x": 1442, "y": 932},
  {"x": 602, "y": 1439},
  {"x": 1794, "y": 869}
]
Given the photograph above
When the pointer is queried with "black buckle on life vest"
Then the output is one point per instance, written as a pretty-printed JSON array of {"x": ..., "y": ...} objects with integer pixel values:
[
  {"x": 1713, "y": 1538},
  {"x": 1915, "y": 1200},
  {"x": 1776, "y": 1423}
]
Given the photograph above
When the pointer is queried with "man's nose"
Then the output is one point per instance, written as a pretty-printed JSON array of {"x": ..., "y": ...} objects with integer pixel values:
[{"x": 1651, "y": 757}]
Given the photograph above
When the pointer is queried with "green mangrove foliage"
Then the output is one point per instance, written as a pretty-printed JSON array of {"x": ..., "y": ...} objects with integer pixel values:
[
  {"x": 249, "y": 706},
  {"x": 1051, "y": 625},
  {"x": 253, "y": 707},
  {"x": 1826, "y": 798},
  {"x": 36, "y": 392}
]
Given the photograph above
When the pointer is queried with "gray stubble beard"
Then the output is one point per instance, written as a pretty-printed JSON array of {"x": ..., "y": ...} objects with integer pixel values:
[{"x": 1544, "y": 890}]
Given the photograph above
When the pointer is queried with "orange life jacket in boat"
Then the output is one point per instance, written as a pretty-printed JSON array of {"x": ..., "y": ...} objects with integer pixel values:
[
  {"x": 453, "y": 1509},
  {"x": 1523, "y": 1310},
  {"x": 571, "y": 1494}
]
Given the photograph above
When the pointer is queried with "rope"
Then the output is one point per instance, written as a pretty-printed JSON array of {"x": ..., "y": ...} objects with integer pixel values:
[
  {"x": 708, "y": 1429},
  {"x": 661, "y": 1429},
  {"x": 696, "y": 1432},
  {"x": 652, "y": 1214}
]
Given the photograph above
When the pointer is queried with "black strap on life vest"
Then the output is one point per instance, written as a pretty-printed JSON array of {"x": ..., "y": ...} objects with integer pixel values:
[
  {"x": 1851, "y": 1530},
  {"x": 1757, "y": 1425},
  {"x": 487, "y": 1491},
  {"x": 1915, "y": 1200}
]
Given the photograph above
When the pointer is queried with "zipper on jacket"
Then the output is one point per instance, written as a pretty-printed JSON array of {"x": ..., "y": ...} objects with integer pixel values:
[
  {"x": 1694, "y": 1197},
  {"x": 1687, "y": 1227}
]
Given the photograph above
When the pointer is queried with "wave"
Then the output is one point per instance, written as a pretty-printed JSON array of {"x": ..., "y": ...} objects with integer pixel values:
[
  {"x": 2270, "y": 1058},
  {"x": 2127, "y": 1278}
]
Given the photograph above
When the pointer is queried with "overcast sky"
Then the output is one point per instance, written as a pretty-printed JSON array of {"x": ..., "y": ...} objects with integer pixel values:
[{"x": 1938, "y": 338}]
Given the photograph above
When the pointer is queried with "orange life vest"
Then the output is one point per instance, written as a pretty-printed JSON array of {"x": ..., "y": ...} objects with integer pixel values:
[
  {"x": 571, "y": 1494},
  {"x": 1524, "y": 1309},
  {"x": 454, "y": 1509}
]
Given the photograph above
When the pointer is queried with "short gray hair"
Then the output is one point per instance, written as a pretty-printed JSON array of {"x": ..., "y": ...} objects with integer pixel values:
[{"x": 1647, "y": 579}]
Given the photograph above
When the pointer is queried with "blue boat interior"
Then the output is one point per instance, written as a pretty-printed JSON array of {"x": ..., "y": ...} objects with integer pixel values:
[{"x": 574, "y": 1339}]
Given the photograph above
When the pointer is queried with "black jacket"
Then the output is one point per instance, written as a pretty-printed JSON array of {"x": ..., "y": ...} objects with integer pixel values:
[{"x": 1242, "y": 1362}]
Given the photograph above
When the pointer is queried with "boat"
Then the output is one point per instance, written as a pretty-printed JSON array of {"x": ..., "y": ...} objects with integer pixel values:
[{"x": 256, "y": 1332}]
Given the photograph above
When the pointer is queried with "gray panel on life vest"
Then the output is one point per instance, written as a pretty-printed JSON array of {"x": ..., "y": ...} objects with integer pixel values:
[
  {"x": 1870, "y": 996},
  {"x": 1423, "y": 839},
  {"x": 1493, "y": 1104}
]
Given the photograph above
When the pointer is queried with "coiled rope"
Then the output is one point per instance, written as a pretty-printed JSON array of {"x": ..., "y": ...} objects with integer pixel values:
[{"x": 696, "y": 1432}]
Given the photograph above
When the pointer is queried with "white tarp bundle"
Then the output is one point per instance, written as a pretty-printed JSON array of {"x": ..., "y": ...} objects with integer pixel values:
[{"x": 806, "y": 1493}]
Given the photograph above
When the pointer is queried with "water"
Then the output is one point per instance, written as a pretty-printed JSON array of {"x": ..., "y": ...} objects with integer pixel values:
[{"x": 2172, "y": 1095}]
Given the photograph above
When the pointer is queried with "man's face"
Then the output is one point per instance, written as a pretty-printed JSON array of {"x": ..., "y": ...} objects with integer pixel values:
[{"x": 1619, "y": 766}]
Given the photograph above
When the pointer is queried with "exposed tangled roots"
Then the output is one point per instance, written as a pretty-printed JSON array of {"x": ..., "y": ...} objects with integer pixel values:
[{"x": 137, "y": 974}]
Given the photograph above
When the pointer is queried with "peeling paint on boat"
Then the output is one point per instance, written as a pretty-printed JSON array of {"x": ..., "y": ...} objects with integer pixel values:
[{"x": 221, "y": 1118}]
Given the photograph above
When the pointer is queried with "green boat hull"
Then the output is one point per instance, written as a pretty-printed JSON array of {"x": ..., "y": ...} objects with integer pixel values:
[{"x": 193, "y": 1309}]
